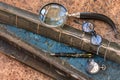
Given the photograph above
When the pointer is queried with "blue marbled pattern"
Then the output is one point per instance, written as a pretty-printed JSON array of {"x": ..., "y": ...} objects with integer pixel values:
[{"x": 113, "y": 69}]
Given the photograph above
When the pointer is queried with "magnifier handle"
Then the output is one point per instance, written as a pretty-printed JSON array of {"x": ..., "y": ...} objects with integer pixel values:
[{"x": 101, "y": 17}]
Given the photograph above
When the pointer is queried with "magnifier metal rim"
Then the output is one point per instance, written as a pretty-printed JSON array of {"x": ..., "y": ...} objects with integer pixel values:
[{"x": 52, "y": 25}]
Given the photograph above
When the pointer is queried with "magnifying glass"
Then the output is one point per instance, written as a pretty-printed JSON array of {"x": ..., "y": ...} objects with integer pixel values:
[{"x": 55, "y": 15}]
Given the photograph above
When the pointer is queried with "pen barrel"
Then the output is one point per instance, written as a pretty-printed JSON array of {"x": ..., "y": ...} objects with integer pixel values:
[{"x": 73, "y": 55}]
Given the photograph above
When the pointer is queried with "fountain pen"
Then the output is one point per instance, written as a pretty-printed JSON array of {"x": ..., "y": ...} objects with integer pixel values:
[{"x": 73, "y": 55}]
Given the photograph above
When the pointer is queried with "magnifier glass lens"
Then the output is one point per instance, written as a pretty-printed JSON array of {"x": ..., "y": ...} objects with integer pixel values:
[{"x": 53, "y": 15}]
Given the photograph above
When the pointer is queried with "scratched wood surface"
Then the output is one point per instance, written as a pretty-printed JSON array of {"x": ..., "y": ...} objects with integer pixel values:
[{"x": 108, "y": 7}]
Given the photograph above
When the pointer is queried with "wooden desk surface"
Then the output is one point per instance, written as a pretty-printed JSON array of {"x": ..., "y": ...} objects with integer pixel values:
[{"x": 11, "y": 69}]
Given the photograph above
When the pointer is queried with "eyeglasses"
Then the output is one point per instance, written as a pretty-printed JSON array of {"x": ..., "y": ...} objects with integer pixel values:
[{"x": 88, "y": 27}]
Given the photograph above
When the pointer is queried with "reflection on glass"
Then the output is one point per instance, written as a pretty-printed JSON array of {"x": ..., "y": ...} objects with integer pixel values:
[
  {"x": 96, "y": 40},
  {"x": 53, "y": 14},
  {"x": 87, "y": 27}
]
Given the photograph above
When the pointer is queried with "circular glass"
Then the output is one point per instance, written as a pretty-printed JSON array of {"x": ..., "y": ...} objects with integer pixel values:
[
  {"x": 87, "y": 27},
  {"x": 53, "y": 15},
  {"x": 93, "y": 67},
  {"x": 96, "y": 40}
]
